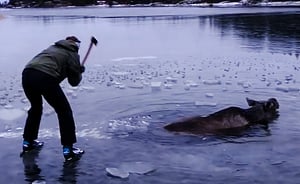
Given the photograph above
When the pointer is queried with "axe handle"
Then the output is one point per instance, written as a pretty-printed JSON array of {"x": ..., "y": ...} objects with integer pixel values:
[{"x": 87, "y": 54}]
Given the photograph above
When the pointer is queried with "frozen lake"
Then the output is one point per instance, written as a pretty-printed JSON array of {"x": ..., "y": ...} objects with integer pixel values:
[{"x": 202, "y": 59}]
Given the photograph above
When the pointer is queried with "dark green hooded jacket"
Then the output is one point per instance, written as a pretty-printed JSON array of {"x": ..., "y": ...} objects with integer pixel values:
[{"x": 60, "y": 60}]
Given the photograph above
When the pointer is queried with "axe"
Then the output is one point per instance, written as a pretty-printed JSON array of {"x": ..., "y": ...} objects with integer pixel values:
[{"x": 94, "y": 41}]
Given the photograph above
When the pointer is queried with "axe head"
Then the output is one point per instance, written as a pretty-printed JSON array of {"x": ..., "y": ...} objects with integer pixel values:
[{"x": 94, "y": 40}]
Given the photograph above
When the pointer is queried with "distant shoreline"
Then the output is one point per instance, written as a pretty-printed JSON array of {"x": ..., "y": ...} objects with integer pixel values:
[{"x": 224, "y": 4}]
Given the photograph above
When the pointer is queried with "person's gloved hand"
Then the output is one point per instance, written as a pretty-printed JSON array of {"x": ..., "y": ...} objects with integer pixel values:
[{"x": 82, "y": 69}]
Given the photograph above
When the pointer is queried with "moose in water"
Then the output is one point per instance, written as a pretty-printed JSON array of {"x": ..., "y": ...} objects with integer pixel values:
[{"x": 231, "y": 118}]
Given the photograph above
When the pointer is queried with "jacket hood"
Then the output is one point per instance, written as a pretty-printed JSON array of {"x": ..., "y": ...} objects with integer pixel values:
[{"x": 67, "y": 44}]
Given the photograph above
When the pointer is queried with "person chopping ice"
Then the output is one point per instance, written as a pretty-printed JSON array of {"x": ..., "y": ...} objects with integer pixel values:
[{"x": 41, "y": 77}]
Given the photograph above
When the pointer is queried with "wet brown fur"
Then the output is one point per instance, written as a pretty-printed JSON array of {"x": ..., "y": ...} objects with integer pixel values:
[{"x": 229, "y": 118}]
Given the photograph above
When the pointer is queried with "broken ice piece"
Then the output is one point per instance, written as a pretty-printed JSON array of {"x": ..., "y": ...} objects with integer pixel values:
[
  {"x": 171, "y": 79},
  {"x": 212, "y": 82},
  {"x": 156, "y": 85},
  {"x": 168, "y": 86},
  {"x": 210, "y": 95},
  {"x": 137, "y": 167},
  {"x": 136, "y": 86},
  {"x": 115, "y": 172}
]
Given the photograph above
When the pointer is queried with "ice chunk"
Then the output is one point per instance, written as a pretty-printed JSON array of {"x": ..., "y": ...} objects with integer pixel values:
[
  {"x": 24, "y": 100},
  {"x": 187, "y": 87},
  {"x": 156, "y": 86},
  {"x": 210, "y": 95},
  {"x": 121, "y": 86},
  {"x": 171, "y": 79},
  {"x": 246, "y": 85},
  {"x": 11, "y": 114},
  {"x": 212, "y": 82},
  {"x": 115, "y": 172},
  {"x": 191, "y": 83},
  {"x": 289, "y": 77},
  {"x": 8, "y": 106},
  {"x": 168, "y": 86},
  {"x": 130, "y": 168},
  {"x": 136, "y": 86},
  {"x": 137, "y": 167}
]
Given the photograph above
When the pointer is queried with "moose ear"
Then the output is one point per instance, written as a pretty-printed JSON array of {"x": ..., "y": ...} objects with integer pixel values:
[
  {"x": 251, "y": 102},
  {"x": 272, "y": 103}
]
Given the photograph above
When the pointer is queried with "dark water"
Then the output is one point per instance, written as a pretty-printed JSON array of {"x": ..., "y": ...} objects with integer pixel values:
[{"x": 205, "y": 58}]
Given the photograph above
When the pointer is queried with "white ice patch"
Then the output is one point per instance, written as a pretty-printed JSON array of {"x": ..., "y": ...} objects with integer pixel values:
[
  {"x": 11, "y": 114},
  {"x": 127, "y": 126},
  {"x": 92, "y": 133}
]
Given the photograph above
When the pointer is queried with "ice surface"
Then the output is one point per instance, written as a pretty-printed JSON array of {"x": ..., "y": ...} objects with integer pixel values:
[
  {"x": 287, "y": 89},
  {"x": 212, "y": 104},
  {"x": 11, "y": 114}
]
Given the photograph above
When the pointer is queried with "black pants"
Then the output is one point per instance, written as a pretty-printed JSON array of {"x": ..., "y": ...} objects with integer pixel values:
[{"x": 36, "y": 85}]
